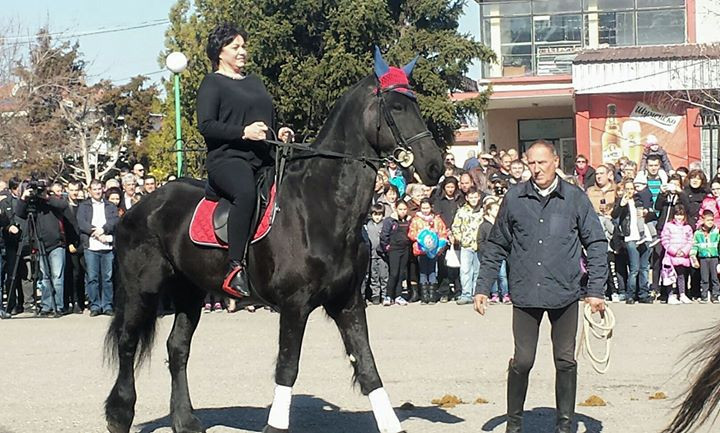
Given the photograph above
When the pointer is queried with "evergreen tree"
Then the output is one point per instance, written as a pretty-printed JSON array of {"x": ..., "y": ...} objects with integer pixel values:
[{"x": 308, "y": 53}]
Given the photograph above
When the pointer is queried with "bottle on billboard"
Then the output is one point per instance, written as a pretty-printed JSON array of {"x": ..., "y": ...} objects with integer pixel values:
[
  {"x": 611, "y": 137},
  {"x": 632, "y": 140}
]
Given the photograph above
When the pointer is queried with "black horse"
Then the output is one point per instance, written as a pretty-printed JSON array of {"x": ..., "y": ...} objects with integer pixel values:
[
  {"x": 314, "y": 256},
  {"x": 702, "y": 399}
]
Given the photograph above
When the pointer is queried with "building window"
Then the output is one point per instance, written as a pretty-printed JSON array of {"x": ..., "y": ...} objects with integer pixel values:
[{"x": 540, "y": 37}]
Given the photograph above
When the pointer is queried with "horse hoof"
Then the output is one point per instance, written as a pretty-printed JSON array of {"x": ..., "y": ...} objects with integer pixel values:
[
  {"x": 113, "y": 427},
  {"x": 190, "y": 425},
  {"x": 271, "y": 429}
]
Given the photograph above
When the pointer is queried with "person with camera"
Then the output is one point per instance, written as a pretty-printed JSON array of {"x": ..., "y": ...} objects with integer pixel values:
[
  {"x": 47, "y": 213},
  {"x": 97, "y": 219},
  {"x": 74, "y": 261},
  {"x": 19, "y": 300}
]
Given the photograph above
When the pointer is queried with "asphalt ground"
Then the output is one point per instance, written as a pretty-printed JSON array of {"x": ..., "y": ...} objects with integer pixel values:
[{"x": 53, "y": 379}]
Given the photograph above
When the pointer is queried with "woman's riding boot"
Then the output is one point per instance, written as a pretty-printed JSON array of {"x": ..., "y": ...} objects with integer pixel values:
[
  {"x": 565, "y": 389},
  {"x": 433, "y": 291},
  {"x": 414, "y": 293},
  {"x": 516, "y": 390},
  {"x": 236, "y": 282}
]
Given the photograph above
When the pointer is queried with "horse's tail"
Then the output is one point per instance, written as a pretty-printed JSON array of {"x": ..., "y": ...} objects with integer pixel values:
[
  {"x": 143, "y": 318},
  {"x": 703, "y": 396}
]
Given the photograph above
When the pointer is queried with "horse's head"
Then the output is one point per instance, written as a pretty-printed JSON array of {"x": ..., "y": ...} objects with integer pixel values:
[{"x": 394, "y": 126}]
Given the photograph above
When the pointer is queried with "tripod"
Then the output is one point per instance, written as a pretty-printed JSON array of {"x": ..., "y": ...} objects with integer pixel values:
[{"x": 38, "y": 255}]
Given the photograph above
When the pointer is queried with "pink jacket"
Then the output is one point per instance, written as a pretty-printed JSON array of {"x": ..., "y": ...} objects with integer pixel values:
[
  {"x": 675, "y": 238},
  {"x": 712, "y": 203}
]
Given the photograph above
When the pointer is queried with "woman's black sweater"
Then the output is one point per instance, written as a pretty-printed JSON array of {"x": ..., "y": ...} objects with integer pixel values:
[{"x": 225, "y": 106}]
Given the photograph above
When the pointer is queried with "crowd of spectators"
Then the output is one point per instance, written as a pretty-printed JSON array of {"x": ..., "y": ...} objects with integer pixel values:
[
  {"x": 57, "y": 241},
  {"x": 661, "y": 224}
]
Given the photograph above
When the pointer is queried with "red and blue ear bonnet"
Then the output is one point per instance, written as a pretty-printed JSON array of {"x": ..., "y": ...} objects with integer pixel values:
[{"x": 392, "y": 78}]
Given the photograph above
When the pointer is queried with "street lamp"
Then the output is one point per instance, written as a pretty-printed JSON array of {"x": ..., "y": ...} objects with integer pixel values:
[{"x": 176, "y": 62}]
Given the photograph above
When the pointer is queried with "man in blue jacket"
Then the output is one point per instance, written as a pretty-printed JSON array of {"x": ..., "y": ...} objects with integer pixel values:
[{"x": 541, "y": 229}]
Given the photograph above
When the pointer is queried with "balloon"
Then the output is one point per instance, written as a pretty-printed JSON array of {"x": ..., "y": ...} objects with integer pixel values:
[{"x": 430, "y": 243}]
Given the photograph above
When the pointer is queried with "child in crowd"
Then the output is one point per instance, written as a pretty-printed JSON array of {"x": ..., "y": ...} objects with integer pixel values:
[
  {"x": 652, "y": 147},
  {"x": 212, "y": 303},
  {"x": 711, "y": 202},
  {"x": 378, "y": 266},
  {"x": 395, "y": 246},
  {"x": 677, "y": 240},
  {"x": 491, "y": 206},
  {"x": 426, "y": 219},
  {"x": 704, "y": 254},
  {"x": 465, "y": 228}
]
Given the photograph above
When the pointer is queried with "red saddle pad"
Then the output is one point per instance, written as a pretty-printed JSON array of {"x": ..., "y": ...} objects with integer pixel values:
[{"x": 202, "y": 231}]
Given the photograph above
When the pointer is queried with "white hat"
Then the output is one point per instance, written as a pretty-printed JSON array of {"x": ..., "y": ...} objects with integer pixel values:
[{"x": 651, "y": 139}]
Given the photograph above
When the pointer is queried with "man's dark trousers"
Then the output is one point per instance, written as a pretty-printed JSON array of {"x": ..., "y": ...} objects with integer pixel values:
[{"x": 526, "y": 327}]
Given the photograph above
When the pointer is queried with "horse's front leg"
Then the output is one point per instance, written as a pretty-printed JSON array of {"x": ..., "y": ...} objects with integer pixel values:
[
  {"x": 352, "y": 323},
  {"x": 292, "y": 329}
]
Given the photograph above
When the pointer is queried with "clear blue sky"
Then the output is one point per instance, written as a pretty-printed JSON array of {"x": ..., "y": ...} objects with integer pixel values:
[{"x": 120, "y": 55}]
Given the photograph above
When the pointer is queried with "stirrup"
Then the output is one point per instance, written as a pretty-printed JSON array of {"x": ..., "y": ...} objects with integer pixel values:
[{"x": 236, "y": 283}]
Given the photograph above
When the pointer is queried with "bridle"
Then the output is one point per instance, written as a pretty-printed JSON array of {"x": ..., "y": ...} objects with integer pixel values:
[{"x": 402, "y": 154}]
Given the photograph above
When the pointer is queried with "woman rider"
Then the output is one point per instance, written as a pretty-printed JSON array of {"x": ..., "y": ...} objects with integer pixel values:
[{"x": 234, "y": 112}]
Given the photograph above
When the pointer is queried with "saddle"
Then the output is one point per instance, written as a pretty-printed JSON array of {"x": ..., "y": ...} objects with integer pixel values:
[{"x": 208, "y": 226}]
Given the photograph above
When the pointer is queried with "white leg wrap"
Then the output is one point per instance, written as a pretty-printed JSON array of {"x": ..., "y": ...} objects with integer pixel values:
[
  {"x": 280, "y": 410},
  {"x": 385, "y": 416}
]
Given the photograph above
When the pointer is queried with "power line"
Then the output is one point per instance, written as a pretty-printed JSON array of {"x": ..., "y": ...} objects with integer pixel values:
[
  {"x": 17, "y": 39},
  {"x": 147, "y": 74}
]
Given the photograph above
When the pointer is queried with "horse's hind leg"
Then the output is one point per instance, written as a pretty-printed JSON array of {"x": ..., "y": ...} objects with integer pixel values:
[
  {"x": 352, "y": 323},
  {"x": 188, "y": 303}
]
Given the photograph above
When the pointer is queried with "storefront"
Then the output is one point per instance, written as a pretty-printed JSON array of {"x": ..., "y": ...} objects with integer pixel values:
[{"x": 624, "y": 95}]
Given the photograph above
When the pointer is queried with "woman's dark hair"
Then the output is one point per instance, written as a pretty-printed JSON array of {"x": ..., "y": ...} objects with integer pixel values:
[
  {"x": 394, "y": 188},
  {"x": 697, "y": 174},
  {"x": 675, "y": 177},
  {"x": 426, "y": 200},
  {"x": 679, "y": 210},
  {"x": 112, "y": 191},
  {"x": 221, "y": 36},
  {"x": 449, "y": 179}
]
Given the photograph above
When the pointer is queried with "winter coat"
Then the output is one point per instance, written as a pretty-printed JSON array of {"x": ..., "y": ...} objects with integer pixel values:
[
  {"x": 420, "y": 222},
  {"x": 394, "y": 234},
  {"x": 465, "y": 226},
  {"x": 373, "y": 231},
  {"x": 665, "y": 203},
  {"x": 677, "y": 238},
  {"x": 664, "y": 160},
  {"x": 705, "y": 244},
  {"x": 695, "y": 199},
  {"x": 712, "y": 204}
]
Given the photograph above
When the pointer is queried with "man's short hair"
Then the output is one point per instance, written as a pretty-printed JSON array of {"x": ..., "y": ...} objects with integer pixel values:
[
  {"x": 708, "y": 212},
  {"x": 605, "y": 166},
  {"x": 150, "y": 176},
  {"x": 14, "y": 182},
  {"x": 128, "y": 178},
  {"x": 472, "y": 190},
  {"x": 377, "y": 208},
  {"x": 517, "y": 162},
  {"x": 654, "y": 158},
  {"x": 75, "y": 183},
  {"x": 96, "y": 182},
  {"x": 546, "y": 144}
]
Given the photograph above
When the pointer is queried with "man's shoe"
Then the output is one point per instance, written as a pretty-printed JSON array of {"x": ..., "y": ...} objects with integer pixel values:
[
  {"x": 646, "y": 301},
  {"x": 17, "y": 310},
  {"x": 375, "y": 300},
  {"x": 464, "y": 300},
  {"x": 76, "y": 309},
  {"x": 94, "y": 313},
  {"x": 109, "y": 312},
  {"x": 414, "y": 293},
  {"x": 47, "y": 314},
  {"x": 630, "y": 301},
  {"x": 236, "y": 283}
]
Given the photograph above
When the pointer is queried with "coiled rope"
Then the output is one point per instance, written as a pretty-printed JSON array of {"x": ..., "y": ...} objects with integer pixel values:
[{"x": 602, "y": 330}]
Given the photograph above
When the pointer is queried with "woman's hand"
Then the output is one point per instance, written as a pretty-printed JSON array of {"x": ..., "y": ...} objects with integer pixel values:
[
  {"x": 285, "y": 134},
  {"x": 256, "y": 131}
]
